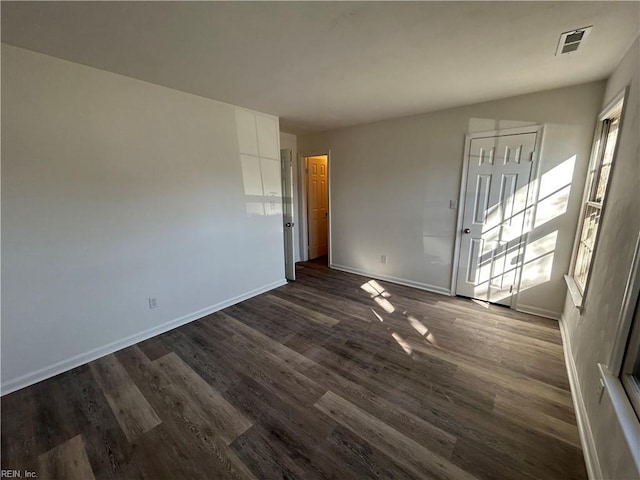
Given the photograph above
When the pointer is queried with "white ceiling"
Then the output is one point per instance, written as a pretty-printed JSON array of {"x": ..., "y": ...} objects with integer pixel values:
[{"x": 322, "y": 65}]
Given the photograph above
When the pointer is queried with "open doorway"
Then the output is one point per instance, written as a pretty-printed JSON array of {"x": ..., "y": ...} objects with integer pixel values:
[{"x": 315, "y": 182}]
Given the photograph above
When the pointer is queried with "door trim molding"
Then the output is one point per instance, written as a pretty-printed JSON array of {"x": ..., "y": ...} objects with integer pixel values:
[
  {"x": 302, "y": 195},
  {"x": 538, "y": 130}
]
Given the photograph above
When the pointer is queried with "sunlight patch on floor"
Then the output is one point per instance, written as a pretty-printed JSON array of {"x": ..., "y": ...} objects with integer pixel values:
[{"x": 403, "y": 343}]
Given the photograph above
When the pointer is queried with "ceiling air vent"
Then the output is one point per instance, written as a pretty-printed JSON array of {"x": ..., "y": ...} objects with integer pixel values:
[{"x": 570, "y": 41}]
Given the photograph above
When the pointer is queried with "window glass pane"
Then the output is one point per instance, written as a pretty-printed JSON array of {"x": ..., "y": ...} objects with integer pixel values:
[
  {"x": 585, "y": 247},
  {"x": 607, "y": 158},
  {"x": 596, "y": 187}
]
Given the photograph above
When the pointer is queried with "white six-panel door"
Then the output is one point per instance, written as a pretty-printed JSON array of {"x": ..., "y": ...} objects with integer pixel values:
[
  {"x": 317, "y": 206},
  {"x": 499, "y": 174}
]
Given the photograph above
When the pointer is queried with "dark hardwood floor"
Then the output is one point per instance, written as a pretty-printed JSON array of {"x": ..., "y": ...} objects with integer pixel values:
[{"x": 333, "y": 376}]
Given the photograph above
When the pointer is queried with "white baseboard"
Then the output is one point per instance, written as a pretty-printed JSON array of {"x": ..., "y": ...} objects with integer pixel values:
[
  {"x": 584, "y": 427},
  {"x": 77, "y": 360},
  {"x": 388, "y": 278},
  {"x": 541, "y": 312}
]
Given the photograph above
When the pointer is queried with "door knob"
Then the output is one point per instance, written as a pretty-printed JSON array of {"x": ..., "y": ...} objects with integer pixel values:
[{"x": 467, "y": 230}]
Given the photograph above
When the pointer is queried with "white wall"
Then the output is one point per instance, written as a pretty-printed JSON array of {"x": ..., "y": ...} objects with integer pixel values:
[
  {"x": 290, "y": 141},
  {"x": 115, "y": 190},
  {"x": 592, "y": 334},
  {"x": 392, "y": 181}
]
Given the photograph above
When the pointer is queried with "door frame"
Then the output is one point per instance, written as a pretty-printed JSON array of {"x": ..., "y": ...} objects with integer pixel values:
[
  {"x": 302, "y": 206},
  {"x": 531, "y": 203}
]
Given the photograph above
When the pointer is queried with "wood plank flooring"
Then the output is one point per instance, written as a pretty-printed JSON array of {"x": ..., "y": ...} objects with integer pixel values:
[{"x": 334, "y": 376}]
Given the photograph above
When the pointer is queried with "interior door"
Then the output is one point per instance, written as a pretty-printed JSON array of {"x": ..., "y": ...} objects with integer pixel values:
[
  {"x": 317, "y": 206},
  {"x": 287, "y": 213},
  {"x": 500, "y": 169}
]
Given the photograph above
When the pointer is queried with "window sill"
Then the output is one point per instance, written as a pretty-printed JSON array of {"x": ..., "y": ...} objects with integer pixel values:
[
  {"x": 576, "y": 296},
  {"x": 626, "y": 416}
]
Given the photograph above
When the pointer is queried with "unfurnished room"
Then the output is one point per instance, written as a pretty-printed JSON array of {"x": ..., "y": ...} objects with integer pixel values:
[{"x": 320, "y": 240}]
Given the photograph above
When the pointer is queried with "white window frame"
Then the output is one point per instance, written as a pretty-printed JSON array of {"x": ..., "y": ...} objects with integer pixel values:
[
  {"x": 625, "y": 358},
  {"x": 619, "y": 376},
  {"x": 630, "y": 371},
  {"x": 617, "y": 104}
]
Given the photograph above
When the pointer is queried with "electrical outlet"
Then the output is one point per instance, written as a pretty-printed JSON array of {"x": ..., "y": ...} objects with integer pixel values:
[
  {"x": 383, "y": 259},
  {"x": 153, "y": 302},
  {"x": 453, "y": 204}
]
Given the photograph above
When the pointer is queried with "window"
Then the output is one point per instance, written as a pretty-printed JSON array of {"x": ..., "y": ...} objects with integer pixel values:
[
  {"x": 595, "y": 193},
  {"x": 630, "y": 374}
]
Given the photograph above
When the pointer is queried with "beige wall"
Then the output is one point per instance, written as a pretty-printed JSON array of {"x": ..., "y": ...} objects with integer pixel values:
[
  {"x": 115, "y": 190},
  {"x": 392, "y": 181},
  {"x": 592, "y": 334}
]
